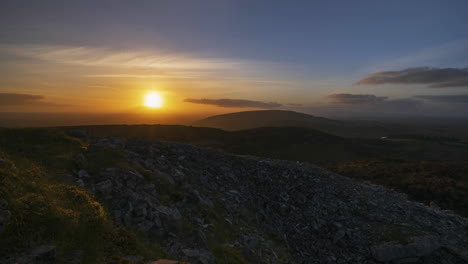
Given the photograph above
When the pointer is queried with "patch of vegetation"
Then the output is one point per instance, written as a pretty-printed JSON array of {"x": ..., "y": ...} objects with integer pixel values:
[
  {"x": 443, "y": 182},
  {"x": 45, "y": 210},
  {"x": 395, "y": 233},
  {"x": 229, "y": 255},
  {"x": 105, "y": 158}
]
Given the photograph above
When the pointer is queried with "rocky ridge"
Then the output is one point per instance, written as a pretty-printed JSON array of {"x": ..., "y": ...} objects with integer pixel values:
[{"x": 208, "y": 207}]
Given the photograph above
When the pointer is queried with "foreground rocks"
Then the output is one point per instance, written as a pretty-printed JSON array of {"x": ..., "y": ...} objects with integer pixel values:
[
  {"x": 207, "y": 206},
  {"x": 44, "y": 254}
]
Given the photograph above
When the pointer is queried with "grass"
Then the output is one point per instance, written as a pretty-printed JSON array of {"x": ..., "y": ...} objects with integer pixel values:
[
  {"x": 46, "y": 210},
  {"x": 395, "y": 233}
]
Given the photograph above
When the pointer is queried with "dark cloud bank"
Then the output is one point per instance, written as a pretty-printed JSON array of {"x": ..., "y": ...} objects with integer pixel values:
[
  {"x": 456, "y": 99},
  {"x": 345, "y": 98},
  {"x": 18, "y": 99},
  {"x": 433, "y": 77},
  {"x": 14, "y": 99},
  {"x": 234, "y": 103}
]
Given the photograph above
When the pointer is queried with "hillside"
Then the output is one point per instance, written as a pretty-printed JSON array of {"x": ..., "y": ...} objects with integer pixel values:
[
  {"x": 264, "y": 118},
  {"x": 135, "y": 199},
  {"x": 355, "y": 128},
  {"x": 441, "y": 182},
  {"x": 428, "y": 169}
]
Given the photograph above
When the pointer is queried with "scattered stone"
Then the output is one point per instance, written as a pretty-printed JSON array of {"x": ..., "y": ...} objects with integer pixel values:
[
  {"x": 104, "y": 186},
  {"x": 80, "y": 160},
  {"x": 3, "y": 204},
  {"x": 4, "y": 218},
  {"x": 393, "y": 251},
  {"x": 44, "y": 254},
  {"x": 135, "y": 259},
  {"x": 74, "y": 257},
  {"x": 163, "y": 261},
  {"x": 317, "y": 216},
  {"x": 83, "y": 174}
]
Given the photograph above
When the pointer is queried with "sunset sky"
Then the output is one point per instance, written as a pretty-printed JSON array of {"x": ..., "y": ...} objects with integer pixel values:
[{"x": 209, "y": 57}]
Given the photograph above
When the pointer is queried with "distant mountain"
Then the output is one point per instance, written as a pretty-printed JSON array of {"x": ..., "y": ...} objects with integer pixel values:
[
  {"x": 375, "y": 128},
  {"x": 265, "y": 118}
]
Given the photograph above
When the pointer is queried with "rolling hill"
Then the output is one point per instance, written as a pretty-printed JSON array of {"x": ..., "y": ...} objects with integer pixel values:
[{"x": 265, "y": 118}]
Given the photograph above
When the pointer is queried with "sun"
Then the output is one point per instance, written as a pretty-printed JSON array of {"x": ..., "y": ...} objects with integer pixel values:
[{"x": 153, "y": 100}]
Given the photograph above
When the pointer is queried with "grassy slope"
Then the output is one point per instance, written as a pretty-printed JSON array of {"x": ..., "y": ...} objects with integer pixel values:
[
  {"x": 444, "y": 182},
  {"x": 46, "y": 210},
  {"x": 426, "y": 168}
]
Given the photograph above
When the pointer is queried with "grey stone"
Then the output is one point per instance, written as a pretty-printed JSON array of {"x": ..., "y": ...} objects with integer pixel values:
[
  {"x": 83, "y": 174},
  {"x": 80, "y": 160},
  {"x": 104, "y": 186},
  {"x": 4, "y": 218},
  {"x": 135, "y": 259},
  {"x": 3, "y": 204},
  {"x": 39, "y": 255},
  {"x": 191, "y": 252},
  {"x": 391, "y": 251}
]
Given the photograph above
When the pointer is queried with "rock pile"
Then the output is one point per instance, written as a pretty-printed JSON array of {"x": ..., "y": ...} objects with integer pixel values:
[{"x": 202, "y": 202}]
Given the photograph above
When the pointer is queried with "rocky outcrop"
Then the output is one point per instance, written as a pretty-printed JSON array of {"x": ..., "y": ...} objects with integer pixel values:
[{"x": 202, "y": 202}]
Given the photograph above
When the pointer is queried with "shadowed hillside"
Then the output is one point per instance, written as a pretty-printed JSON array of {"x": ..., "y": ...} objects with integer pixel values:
[
  {"x": 372, "y": 128},
  {"x": 128, "y": 200}
]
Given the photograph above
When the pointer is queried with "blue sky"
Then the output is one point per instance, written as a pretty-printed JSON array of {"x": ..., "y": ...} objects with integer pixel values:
[{"x": 282, "y": 51}]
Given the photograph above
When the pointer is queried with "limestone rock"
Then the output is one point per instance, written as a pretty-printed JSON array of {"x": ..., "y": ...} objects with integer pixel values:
[{"x": 391, "y": 251}]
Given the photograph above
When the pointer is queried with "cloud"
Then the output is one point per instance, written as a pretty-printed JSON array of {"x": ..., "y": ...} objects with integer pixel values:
[
  {"x": 345, "y": 98},
  {"x": 234, "y": 103},
  {"x": 434, "y": 77},
  {"x": 16, "y": 99},
  {"x": 369, "y": 103},
  {"x": 13, "y": 99},
  {"x": 456, "y": 99},
  {"x": 88, "y": 56}
]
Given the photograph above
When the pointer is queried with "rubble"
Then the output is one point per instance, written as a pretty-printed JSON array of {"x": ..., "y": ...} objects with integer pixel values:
[{"x": 268, "y": 211}]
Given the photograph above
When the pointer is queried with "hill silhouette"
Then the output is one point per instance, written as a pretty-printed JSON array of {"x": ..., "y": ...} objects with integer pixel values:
[{"x": 265, "y": 118}]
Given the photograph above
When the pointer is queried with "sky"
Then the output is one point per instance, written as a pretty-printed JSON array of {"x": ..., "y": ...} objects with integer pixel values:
[{"x": 330, "y": 58}]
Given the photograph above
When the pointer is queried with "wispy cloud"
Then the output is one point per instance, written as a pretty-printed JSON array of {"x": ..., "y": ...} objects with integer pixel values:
[
  {"x": 145, "y": 76},
  {"x": 234, "y": 103},
  {"x": 87, "y": 56},
  {"x": 345, "y": 98},
  {"x": 434, "y": 77}
]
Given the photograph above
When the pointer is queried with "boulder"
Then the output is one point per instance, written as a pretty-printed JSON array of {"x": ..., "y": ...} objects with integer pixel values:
[
  {"x": 104, "y": 186},
  {"x": 171, "y": 218}
]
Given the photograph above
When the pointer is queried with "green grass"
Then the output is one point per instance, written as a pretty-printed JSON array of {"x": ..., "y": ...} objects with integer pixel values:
[
  {"x": 395, "y": 233},
  {"x": 46, "y": 210}
]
